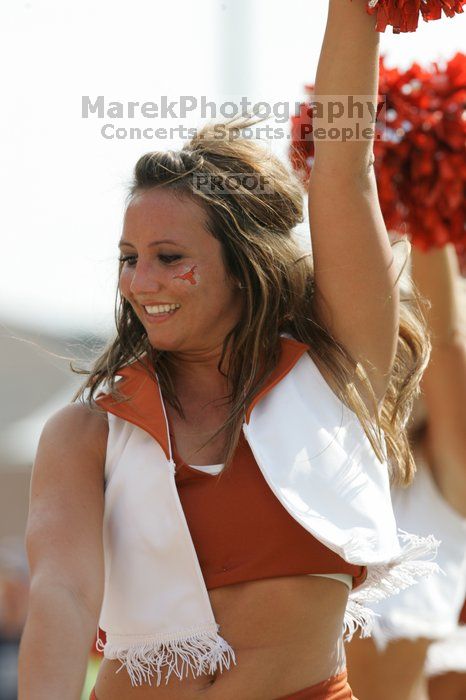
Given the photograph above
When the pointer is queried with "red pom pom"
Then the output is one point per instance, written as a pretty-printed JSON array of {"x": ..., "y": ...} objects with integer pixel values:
[
  {"x": 403, "y": 15},
  {"x": 420, "y": 156}
]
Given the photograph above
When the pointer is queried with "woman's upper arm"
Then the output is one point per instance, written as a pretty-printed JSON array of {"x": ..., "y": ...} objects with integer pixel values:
[
  {"x": 444, "y": 393},
  {"x": 64, "y": 528},
  {"x": 437, "y": 276}
]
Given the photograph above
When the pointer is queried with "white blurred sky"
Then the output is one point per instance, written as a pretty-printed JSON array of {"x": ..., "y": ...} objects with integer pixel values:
[{"x": 63, "y": 185}]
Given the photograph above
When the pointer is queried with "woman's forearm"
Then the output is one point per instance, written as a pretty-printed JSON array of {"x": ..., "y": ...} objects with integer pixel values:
[
  {"x": 436, "y": 274},
  {"x": 55, "y": 644},
  {"x": 348, "y": 69},
  {"x": 354, "y": 270}
]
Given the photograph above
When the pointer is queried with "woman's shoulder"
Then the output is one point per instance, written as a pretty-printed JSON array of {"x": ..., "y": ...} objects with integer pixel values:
[{"x": 79, "y": 422}]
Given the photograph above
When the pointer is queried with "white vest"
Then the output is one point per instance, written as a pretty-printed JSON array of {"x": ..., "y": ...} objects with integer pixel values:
[{"x": 316, "y": 458}]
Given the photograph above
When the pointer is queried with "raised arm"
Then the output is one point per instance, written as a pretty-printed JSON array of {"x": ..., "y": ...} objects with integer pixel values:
[
  {"x": 436, "y": 274},
  {"x": 354, "y": 266}
]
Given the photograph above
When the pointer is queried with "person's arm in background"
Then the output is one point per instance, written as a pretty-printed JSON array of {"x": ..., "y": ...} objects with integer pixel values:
[
  {"x": 65, "y": 552},
  {"x": 436, "y": 274}
]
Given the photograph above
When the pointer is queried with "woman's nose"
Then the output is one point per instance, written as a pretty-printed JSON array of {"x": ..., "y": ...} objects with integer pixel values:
[{"x": 144, "y": 280}]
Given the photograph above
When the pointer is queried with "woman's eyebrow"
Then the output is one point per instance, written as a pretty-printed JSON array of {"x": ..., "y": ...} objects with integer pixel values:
[{"x": 153, "y": 243}]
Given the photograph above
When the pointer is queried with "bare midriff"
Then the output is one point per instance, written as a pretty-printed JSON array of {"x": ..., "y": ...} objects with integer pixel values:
[{"x": 286, "y": 634}]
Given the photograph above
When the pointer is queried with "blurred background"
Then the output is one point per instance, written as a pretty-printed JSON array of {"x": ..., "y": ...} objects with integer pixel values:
[{"x": 63, "y": 183}]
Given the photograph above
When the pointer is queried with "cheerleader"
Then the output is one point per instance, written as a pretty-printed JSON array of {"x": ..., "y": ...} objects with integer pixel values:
[
  {"x": 218, "y": 499},
  {"x": 390, "y": 666}
]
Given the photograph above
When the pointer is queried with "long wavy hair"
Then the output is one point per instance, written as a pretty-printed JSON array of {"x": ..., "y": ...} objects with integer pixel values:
[{"x": 261, "y": 250}]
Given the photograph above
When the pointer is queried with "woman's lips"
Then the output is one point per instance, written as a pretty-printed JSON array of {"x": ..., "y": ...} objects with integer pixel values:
[{"x": 158, "y": 318}]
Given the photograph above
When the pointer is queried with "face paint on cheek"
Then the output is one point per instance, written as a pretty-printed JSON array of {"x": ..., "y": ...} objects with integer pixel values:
[{"x": 188, "y": 276}]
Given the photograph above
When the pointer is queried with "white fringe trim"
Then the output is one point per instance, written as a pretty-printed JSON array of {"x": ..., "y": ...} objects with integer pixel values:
[
  {"x": 203, "y": 652},
  {"x": 357, "y": 615},
  {"x": 385, "y": 580}
]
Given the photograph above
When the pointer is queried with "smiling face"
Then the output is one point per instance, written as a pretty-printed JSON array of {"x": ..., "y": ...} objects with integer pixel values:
[{"x": 173, "y": 274}]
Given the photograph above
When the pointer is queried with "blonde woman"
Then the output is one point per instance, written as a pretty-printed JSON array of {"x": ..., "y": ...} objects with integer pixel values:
[{"x": 218, "y": 501}]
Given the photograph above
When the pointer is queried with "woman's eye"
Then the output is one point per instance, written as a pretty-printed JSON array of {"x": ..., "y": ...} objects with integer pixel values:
[
  {"x": 127, "y": 259},
  {"x": 165, "y": 259}
]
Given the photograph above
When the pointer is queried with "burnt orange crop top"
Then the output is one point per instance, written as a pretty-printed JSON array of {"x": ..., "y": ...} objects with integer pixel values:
[{"x": 240, "y": 530}]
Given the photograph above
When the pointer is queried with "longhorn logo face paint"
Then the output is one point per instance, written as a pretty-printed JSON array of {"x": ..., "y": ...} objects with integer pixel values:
[{"x": 188, "y": 276}]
